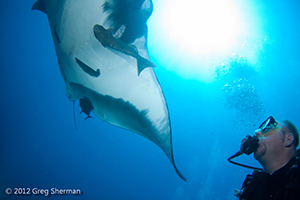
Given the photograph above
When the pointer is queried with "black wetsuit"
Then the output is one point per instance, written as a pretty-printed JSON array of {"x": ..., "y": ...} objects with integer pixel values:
[{"x": 284, "y": 184}]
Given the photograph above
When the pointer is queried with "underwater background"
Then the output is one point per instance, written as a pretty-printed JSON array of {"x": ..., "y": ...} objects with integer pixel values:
[{"x": 216, "y": 95}]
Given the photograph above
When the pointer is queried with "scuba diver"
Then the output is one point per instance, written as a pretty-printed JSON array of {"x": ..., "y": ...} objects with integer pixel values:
[{"x": 274, "y": 146}]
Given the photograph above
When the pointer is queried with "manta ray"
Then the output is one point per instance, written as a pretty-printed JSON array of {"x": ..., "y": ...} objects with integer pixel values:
[{"x": 101, "y": 48}]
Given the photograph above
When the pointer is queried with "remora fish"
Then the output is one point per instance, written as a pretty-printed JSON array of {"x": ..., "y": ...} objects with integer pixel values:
[
  {"x": 106, "y": 39},
  {"x": 106, "y": 78},
  {"x": 86, "y": 107}
]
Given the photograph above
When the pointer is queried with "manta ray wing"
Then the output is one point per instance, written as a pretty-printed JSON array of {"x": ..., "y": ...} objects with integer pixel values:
[{"x": 107, "y": 77}]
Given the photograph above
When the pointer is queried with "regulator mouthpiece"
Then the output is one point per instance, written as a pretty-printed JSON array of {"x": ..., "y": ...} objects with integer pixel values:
[{"x": 249, "y": 144}]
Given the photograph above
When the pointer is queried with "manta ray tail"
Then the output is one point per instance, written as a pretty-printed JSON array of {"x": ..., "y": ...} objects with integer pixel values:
[{"x": 143, "y": 63}]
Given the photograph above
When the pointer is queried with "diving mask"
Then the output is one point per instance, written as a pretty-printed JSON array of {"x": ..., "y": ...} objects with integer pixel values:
[{"x": 268, "y": 127}]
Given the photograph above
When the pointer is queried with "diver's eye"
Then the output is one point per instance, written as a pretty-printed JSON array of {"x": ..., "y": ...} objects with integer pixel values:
[{"x": 267, "y": 129}]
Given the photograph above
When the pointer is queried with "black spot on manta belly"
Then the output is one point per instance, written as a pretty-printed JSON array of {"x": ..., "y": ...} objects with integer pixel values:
[{"x": 87, "y": 69}]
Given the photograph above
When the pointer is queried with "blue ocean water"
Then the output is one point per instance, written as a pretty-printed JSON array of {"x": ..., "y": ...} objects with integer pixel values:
[{"x": 40, "y": 148}]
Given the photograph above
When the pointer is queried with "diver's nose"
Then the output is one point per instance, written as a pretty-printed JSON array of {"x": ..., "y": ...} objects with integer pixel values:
[{"x": 258, "y": 133}]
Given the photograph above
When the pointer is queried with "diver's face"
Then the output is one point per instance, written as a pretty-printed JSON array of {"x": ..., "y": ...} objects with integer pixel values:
[{"x": 270, "y": 141}]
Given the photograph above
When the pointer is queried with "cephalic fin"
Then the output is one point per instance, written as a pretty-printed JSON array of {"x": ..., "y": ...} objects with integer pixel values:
[{"x": 39, "y": 5}]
